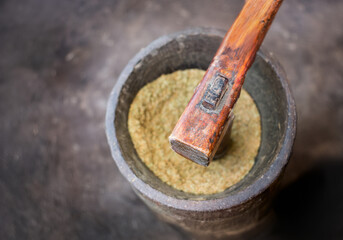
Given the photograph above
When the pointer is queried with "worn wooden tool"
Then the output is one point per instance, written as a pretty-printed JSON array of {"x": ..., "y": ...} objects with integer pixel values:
[{"x": 202, "y": 126}]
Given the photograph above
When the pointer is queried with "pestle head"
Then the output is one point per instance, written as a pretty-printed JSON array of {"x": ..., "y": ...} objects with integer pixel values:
[{"x": 197, "y": 155}]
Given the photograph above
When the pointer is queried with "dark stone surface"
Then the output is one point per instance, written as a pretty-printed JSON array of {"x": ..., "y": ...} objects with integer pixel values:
[{"x": 59, "y": 61}]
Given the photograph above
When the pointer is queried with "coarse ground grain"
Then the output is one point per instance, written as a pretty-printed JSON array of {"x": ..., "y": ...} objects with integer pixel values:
[{"x": 153, "y": 115}]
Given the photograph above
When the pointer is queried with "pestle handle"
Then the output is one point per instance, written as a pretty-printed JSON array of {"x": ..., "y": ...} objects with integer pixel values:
[{"x": 202, "y": 126}]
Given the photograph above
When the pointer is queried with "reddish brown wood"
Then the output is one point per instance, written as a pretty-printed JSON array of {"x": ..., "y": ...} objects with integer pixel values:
[{"x": 202, "y": 126}]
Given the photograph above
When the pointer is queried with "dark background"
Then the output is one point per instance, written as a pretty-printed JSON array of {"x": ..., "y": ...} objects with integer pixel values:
[{"x": 58, "y": 63}]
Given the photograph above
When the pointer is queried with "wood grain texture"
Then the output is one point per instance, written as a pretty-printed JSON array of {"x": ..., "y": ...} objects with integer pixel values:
[{"x": 202, "y": 126}]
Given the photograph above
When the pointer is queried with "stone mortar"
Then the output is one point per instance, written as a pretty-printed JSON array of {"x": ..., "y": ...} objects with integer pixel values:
[{"x": 241, "y": 207}]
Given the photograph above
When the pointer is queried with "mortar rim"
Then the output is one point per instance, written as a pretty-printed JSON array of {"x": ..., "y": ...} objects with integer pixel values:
[{"x": 258, "y": 186}]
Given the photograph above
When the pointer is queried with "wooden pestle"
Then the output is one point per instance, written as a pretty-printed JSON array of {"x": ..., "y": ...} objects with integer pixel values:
[{"x": 202, "y": 126}]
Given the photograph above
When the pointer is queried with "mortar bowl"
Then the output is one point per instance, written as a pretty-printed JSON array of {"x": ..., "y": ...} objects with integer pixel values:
[{"x": 241, "y": 207}]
